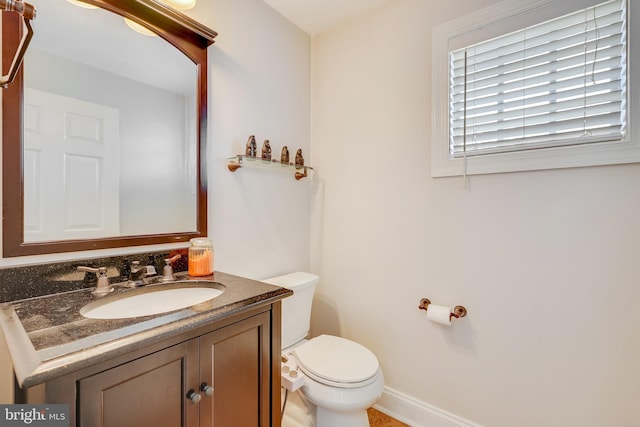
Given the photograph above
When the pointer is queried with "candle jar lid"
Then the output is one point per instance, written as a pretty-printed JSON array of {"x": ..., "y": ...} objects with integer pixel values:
[{"x": 200, "y": 242}]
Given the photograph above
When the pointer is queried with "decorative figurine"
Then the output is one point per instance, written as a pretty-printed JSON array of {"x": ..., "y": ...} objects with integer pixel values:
[
  {"x": 251, "y": 146},
  {"x": 266, "y": 150},
  {"x": 284, "y": 157},
  {"x": 299, "y": 158}
]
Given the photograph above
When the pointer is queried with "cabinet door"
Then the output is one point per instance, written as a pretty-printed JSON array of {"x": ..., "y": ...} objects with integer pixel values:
[
  {"x": 150, "y": 391},
  {"x": 236, "y": 361}
]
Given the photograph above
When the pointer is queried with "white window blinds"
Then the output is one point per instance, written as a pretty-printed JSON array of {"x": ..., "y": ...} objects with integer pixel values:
[{"x": 561, "y": 82}]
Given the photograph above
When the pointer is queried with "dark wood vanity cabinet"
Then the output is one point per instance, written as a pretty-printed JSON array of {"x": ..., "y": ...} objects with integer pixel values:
[
  {"x": 226, "y": 377},
  {"x": 143, "y": 392},
  {"x": 234, "y": 359}
]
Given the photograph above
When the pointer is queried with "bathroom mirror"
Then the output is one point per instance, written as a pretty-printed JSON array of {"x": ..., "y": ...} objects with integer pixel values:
[{"x": 104, "y": 128}]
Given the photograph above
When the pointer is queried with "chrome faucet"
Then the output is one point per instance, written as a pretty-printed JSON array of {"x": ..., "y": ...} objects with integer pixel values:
[
  {"x": 138, "y": 273},
  {"x": 103, "y": 286}
]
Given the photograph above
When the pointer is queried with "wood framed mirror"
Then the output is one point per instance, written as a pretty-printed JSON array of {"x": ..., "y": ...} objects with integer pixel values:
[{"x": 62, "y": 190}]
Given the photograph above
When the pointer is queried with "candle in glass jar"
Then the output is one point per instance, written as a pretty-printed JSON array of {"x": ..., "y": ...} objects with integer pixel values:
[{"x": 200, "y": 257}]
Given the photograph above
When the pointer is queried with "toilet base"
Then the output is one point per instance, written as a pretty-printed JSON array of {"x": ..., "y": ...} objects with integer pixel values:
[
  {"x": 344, "y": 407},
  {"x": 300, "y": 413},
  {"x": 316, "y": 405},
  {"x": 326, "y": 418}
]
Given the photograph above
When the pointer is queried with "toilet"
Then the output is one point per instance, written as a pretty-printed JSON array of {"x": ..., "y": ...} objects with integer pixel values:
[{"x": 341, "y": 377}]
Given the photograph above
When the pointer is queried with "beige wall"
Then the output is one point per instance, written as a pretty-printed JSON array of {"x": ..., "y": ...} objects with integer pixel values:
[
  {"x": 546, "y": 262},
  {"x": 260, "y": 84}
]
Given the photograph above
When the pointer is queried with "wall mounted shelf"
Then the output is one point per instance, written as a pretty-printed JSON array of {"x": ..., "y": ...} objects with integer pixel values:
[{"x": 236, "y": 162}]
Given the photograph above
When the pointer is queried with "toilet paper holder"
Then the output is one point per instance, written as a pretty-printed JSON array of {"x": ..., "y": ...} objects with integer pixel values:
[{"x": 458, "y": 311}]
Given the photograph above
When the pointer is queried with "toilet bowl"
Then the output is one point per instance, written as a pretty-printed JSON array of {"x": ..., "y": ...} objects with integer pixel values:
[{"x": 342, "y": 378}]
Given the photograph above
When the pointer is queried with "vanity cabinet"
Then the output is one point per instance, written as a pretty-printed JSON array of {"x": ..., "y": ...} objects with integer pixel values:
[
  {"x": 228, "y": 376},
  {"x": 143, "y": 392}
]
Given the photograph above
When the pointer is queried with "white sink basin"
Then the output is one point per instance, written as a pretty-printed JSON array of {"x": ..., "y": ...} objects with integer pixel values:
[{"x": 151, "y": 300}]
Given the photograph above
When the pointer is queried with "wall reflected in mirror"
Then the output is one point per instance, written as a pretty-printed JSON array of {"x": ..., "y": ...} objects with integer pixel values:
[{"x": 110, "y": 128}]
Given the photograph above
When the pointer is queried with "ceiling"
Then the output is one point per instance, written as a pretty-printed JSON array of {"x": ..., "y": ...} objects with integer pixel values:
[
  {"x": 109, "y": 45},
  {"x": 315, "y": 16}
]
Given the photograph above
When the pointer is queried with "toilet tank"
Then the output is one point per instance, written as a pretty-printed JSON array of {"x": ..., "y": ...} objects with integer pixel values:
[{"x": 296, "y": 310}]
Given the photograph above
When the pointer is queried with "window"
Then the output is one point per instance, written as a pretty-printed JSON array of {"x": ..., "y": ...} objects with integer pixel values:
[
  {"x": 533, "y": 86},
  {"x": 560, "y": 82}
]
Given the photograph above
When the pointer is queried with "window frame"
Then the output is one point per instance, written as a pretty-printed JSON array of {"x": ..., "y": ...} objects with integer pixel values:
[{"x": 520, "y": 14}]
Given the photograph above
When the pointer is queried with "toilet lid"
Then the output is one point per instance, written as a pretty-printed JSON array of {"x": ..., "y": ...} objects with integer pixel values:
[{"x": 336, "y": 360}]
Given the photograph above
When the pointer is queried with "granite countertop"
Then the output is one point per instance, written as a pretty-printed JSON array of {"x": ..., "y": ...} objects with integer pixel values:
[{"x": 48, "y": 337}]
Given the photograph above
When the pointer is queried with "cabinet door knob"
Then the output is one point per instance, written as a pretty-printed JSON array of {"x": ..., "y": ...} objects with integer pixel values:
[
  {"x": 208, "y": 390},
  {"x": 193, "y": 396}
]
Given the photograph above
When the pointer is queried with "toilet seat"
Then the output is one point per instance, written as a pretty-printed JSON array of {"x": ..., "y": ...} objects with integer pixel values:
[{"x": 337, "y": 362}]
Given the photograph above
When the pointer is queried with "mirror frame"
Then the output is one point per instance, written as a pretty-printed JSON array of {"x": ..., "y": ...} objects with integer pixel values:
[{"x": 184, "y": 33}]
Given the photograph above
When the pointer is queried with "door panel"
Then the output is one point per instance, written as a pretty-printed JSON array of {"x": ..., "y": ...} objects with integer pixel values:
[
  {"x": 236, "y": 360},
  {"x": 147, "y": 392},
  {"x": 33, "y": 216},
  {"x": 83, "y": 175}
]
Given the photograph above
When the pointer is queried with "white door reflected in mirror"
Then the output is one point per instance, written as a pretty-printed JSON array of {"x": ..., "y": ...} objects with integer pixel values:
[
  {"x": 91, "y": 57},
  {"x": 70, "y": 156}
]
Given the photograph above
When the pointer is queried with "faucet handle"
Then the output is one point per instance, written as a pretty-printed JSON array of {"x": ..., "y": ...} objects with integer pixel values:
[
  {"x": 172, "y": 259},
  {"x": 167, "y": 271},
  {"x": 103, "y": 286}
]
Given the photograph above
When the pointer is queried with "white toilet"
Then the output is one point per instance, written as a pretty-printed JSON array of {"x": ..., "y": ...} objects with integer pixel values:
[{"x": 341, "y": 378}]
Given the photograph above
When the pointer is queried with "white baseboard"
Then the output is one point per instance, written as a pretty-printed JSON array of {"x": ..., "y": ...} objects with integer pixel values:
[{"x": 416, "y": 413}]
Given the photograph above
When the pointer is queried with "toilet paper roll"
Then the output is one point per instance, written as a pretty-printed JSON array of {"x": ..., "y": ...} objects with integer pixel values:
[{"x": 439, "y": 314}]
